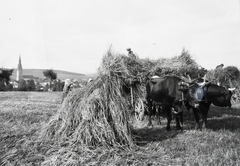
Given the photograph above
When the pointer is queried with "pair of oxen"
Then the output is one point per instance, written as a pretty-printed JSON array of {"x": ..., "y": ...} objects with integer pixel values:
[{"x": 171, "y": 94}]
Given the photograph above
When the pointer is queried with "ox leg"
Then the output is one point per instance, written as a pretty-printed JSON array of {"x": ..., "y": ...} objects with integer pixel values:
[
  {"x": 196, "y": 115},
  {"x": 178, "y": 117},
  {"x": 169, "y": 116},
  {"x": 204, "y": 110},
  {"x": 158, "y": 115},
  {"x": 179, "y": 120},
  {"x": 149, "y": 103},
  {"x": 204, "y": 119}
]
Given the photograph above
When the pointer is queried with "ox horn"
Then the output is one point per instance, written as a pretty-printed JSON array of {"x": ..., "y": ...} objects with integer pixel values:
[
  {"x": 204, "y": 78},
  {"x": 231, "y": 89},
  {"x": 204, "y": 81},
  {"x": 189, "y": 78},
  {"x": 201, "y": 84},
  {"x": 155, "y": 76},
  {"x": 184, "y": 83}
]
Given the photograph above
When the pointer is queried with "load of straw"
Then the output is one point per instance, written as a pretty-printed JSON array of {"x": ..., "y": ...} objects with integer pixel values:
[
  {"x": 97, "y": 115},
  {"x": 181, "y": 65}
]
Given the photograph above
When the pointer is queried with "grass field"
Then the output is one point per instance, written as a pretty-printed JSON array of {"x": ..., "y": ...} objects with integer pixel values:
[{"x": 22, "y": 115}]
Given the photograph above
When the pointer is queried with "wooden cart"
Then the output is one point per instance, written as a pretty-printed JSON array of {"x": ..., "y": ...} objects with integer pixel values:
[{"x": 139, "y": 105}]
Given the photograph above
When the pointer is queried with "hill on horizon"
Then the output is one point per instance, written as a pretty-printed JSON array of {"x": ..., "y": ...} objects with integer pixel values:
[{"x": 60, "y": 74}]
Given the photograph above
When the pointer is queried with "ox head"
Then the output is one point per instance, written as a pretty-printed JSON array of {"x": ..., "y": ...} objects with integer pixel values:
[
  {"x": 220, "y": 96},
  {"x": 192, "y": 93},
  {"x": 216, "y": 94}
]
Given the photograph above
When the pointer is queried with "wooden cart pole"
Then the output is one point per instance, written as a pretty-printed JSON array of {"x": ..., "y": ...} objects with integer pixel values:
[{"x": 131, "y": 96}]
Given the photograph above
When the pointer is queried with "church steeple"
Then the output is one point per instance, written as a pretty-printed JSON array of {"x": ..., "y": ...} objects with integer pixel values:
[{"x": 19, "y": 69}]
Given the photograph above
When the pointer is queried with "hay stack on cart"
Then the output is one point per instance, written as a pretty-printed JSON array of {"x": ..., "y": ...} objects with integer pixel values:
[{"x": 97, "y": 115}]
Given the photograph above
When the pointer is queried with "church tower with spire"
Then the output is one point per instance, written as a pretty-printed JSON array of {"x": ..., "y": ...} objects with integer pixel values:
[{"x": 19, "y": 70}]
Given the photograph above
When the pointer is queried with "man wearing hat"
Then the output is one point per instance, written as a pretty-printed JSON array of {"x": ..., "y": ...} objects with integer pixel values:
[
  {"x": 130, "y": 53},
  {"x": 219, "y": 66}
]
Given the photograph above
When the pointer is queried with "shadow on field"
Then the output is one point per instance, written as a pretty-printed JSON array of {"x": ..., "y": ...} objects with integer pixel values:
[
  {"x": 219, "y": 111},
  {"x": 226, "y": 123},
  {"x": 223, "y": 118},
  {"x": 218, "y": 118},
  {"x": 145, "y": 135}
]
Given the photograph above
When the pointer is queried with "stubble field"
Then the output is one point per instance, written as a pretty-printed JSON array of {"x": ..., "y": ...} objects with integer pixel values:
[{"x": 22, "y": 115}]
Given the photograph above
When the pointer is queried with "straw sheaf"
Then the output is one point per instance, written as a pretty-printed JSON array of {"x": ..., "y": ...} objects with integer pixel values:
[{"x": 93, "y": 116}]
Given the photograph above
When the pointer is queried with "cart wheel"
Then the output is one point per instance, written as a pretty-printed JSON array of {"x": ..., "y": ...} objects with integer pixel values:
[{"x": 139, "y": 109}]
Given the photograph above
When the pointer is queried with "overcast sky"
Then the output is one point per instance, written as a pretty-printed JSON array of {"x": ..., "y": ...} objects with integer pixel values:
[{"x": 73, "y": 35}]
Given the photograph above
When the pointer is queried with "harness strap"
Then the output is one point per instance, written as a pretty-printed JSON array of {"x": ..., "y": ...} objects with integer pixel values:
[
  {"x": 182, "y": 99},
  {"x": 181, "y": 108},
  {"x": 205, "y": 93},
  {"x": 183, "y": 104}
]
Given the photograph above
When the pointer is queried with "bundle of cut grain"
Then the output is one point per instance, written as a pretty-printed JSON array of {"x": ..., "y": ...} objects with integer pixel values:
[{"x": 97, "y": 115}]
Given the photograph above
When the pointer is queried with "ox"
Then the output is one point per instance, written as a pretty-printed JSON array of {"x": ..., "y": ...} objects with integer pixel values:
[
  {"x": 170, "y": 92},
  {"x": 212, "y": 94}
]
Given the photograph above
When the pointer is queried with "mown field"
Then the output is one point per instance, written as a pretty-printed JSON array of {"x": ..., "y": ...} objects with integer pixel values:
[{"x": 22, "y": 115}]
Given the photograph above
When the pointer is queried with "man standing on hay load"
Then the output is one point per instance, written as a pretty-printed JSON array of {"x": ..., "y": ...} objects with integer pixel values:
[
  {"x": 131, "y": 54},
  {"x": 133, "y": 57}
]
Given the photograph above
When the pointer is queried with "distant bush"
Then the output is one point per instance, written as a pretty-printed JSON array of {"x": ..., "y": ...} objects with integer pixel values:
[
  {"x": 5, "y": 78},
  {"x": 30, "y": 84},
  {"x": 2, "y": 86},
  {"x": 22, "y": 85},
  {"x": 5, "y": 75},
  {"x": 57, "y": 85},
  {"x": 9, "y": 87}
]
